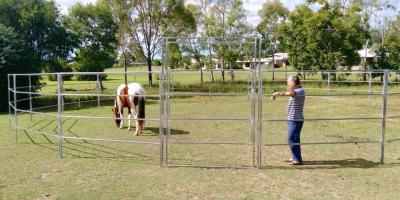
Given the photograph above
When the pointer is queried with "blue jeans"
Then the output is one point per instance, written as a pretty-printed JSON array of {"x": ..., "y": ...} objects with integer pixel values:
[{"x": 294, "y": 129}]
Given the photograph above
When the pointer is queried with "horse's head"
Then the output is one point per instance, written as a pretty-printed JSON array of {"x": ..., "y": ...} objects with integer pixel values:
[{"x": 116, "y": 116}]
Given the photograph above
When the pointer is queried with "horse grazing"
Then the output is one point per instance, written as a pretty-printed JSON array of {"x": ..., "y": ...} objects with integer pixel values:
[{"x": 132, "y": 97}]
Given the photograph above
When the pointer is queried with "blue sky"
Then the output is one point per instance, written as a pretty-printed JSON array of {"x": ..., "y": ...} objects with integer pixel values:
[{"x": 251, "y": 6}]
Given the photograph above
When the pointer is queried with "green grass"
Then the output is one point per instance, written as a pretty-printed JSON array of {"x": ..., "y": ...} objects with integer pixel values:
[
  {"x": 30, "y": 168},
  {"x": 97, "y": 170}
]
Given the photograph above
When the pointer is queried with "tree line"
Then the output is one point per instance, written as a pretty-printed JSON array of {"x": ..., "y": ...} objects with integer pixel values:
[{"x": 320, "y": 34}]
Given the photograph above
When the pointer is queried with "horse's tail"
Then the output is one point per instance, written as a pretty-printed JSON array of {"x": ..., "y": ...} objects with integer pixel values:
[{"x": 141, "y": 110}]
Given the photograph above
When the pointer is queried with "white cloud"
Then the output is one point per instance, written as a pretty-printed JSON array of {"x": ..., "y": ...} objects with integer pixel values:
[{"x": 64, "y": 5}]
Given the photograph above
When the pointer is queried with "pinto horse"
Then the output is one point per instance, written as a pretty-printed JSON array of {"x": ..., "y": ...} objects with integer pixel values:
[{"x": 132, "y": 97}]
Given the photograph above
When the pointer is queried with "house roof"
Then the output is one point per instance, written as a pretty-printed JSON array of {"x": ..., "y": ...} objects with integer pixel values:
[
  {"x": 277, "y": 56},
  {"x": 369, "y": 54}
]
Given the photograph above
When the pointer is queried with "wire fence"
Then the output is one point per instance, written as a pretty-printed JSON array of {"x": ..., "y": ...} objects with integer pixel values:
[
  {"x": 165, "y": 117},
  {"x": 254, "y": 84}
]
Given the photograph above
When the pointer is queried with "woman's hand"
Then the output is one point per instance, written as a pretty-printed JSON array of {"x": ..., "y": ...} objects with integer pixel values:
[{"x": 274, "y": 96}]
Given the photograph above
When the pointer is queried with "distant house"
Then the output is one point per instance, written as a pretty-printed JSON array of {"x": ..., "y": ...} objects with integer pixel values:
[
  {"x": 280, "y": 60},
  {"x": 369, "y": 56}
]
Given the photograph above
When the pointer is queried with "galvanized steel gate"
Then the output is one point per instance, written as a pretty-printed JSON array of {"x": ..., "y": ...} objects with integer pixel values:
[{"x": 167, "y": 94}]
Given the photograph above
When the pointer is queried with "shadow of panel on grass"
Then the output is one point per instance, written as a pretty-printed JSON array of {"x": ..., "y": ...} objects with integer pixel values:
[
  {"x": 325, "y": 156},
  {"x": 85, "y": 149},
  {"x": 325, "y": 131}
]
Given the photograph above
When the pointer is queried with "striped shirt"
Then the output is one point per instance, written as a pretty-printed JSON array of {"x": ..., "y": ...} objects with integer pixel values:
[{"x": 295, "y": 105}]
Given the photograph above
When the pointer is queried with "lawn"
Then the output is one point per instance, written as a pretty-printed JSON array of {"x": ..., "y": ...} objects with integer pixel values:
[{"x": 30, "y": 169}]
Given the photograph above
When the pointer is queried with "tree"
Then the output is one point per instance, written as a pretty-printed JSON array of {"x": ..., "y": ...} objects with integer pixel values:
[
  {"x": 389, "y": 52},
  {"x": 150, "y": 21},
  {"x": 195, "y": 48},
  {"x": 272, "y": 14},
  {"x": 39, "y": 23},
  {"x": 227, "y": 19},
  {"x": 324, "y": 39},
  {"x": 174, "y": 56},
  {"x": 96, "y": 29},
  {"x": 15, "y": 57},
  {"x": 205, "y": 28},
  {"x": 120, "y": 13},
  {"x": 32, "y": 36}
]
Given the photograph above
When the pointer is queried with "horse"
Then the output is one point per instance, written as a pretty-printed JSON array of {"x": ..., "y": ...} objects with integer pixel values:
[{"x": 132, "y": 97}]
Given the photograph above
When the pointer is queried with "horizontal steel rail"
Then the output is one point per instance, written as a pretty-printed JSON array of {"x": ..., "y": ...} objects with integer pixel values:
[
  {"x": 89, "y": 73},
  {"x": 326, "y": 119},
  {"x": 192, "y": 94},
  {"x": 208, "y": 119},
  {"x": 211, "y": 143},
  {"x": 111, "y": 140},
  {"x": 322, "y": 143}
]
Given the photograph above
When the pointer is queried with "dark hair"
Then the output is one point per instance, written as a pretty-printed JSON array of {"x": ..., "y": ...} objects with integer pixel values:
[{"x": 295, "y": 79}]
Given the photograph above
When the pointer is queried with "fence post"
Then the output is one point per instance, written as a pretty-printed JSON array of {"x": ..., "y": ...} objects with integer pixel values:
[
  {"x": 384, "y": 108},
  {"x": 15, "y": 108},
  {"x": 260, "y": 94},
  {"x": 79, "y": 97},
  {"x": 167, "y": 107},
  {"x": 369, "y": 90},
  {"x": 98, "y": 88},
  {"x": 329, "y": 83},
  {"x": 253, "y": 104},
  {"x": 59, "y": 113},
  {"x": 9, "y": 101},
  {"x": 30, "y": 96},
  {"x": 161, "y": 101}
]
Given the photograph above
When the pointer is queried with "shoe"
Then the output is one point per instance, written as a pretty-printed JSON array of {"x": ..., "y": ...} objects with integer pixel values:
[
  {"x": 289, "y": 160},
  {"x": 295, "y": 162}
]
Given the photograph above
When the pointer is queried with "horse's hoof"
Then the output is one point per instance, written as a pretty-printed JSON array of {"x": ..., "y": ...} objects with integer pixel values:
[{"x": 129, "y": 129}]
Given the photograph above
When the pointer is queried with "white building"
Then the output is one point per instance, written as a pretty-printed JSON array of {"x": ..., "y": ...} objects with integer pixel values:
[{"x": 368, "y": 55}]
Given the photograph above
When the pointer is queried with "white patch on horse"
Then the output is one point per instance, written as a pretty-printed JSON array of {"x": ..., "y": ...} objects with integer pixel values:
[{"x": 134, "y": 90}]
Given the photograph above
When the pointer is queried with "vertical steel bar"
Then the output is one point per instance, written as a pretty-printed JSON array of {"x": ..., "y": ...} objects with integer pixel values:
[
  {"x": 286, "y": 72},
  {"x": 329, "y": 82},
  {"x": 260, "y": 94},
  {"x": 384, "y": 108},
  {"x": 168, "y": 106},
  {"x": 15, "y": 108},
  {"x": 9, "y": 101},
  {"x": 79, "y": 96},
  {"x": 369, "y": 90},
  {"x": 253, "y": 101},
  {"x": 62, "y": 97},
  {"x": 161, "y": 90},
  {"x": 98, "y": 89},
  {"x": 59, "y": 113},
  {"x": 30, "y": 97}
]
